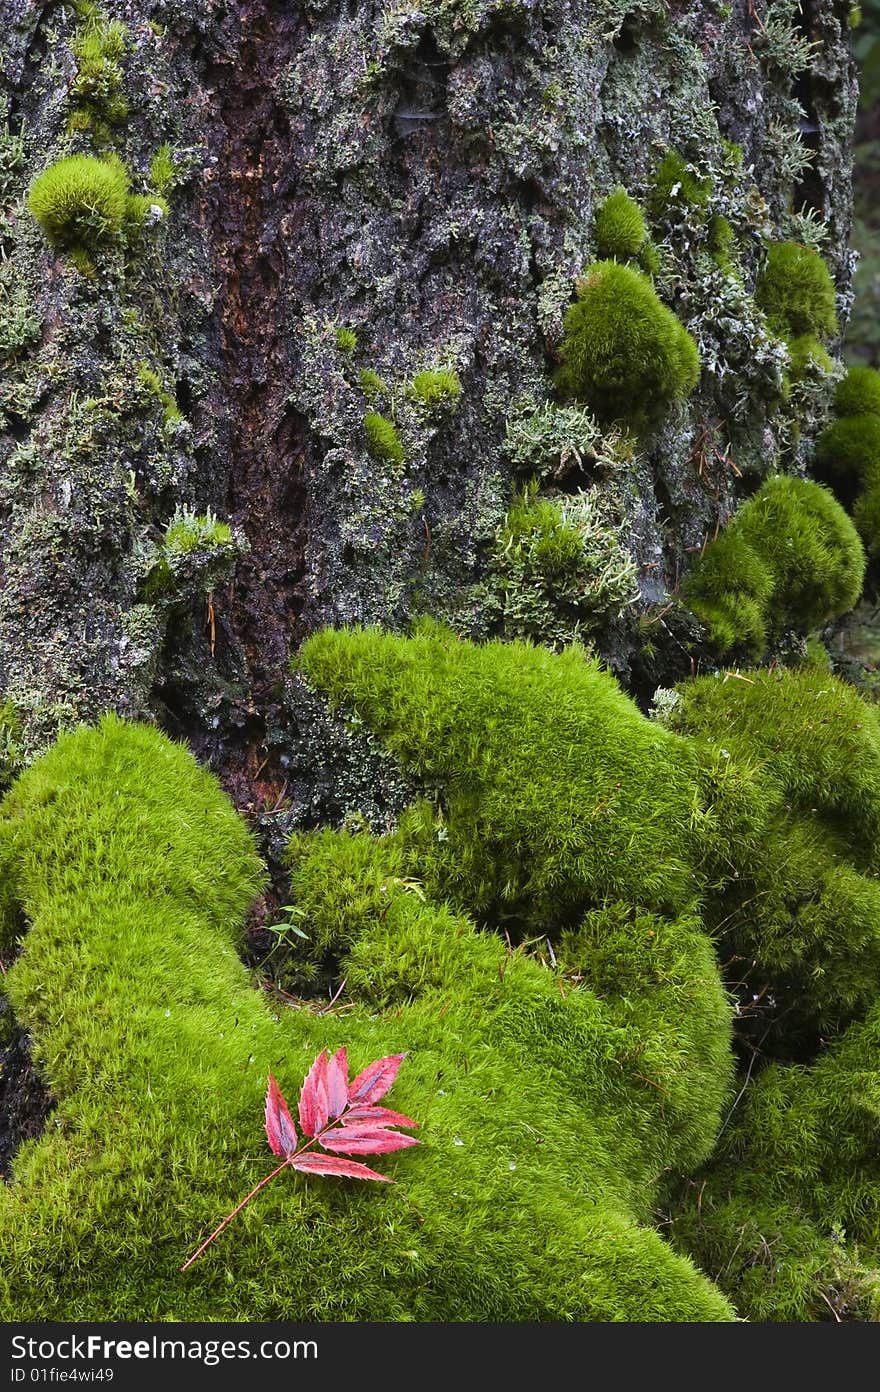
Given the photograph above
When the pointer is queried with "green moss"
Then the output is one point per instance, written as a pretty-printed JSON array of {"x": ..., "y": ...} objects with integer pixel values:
[
  {"x": 474, "y": 720},
  {"x": 135, "y": 873},
  {"x": 10, "y": 743},
  {"x": 788, "y": 1218},
  {"x": 346, "y": 340},
  {"x": 730, "y": 588},
  {"x": 142, "y": 209},
  {"x": 811, "y": 548},
  {"x": 793, "y": 768},
  {"x": 624, "y": 353},
  {"x": 722, "y": 237},
  {"x": 848, "y": 454},
  {"x": 98, "y": 102},
  {"x": 383, "y": 442},
  {"x": 649, "y": 258},
  {"x": 154, "y": 384},
  {"x": 163, "y": 170},
  {"x": 80, "y": 202},
  {"x": 188, "y": 531},
  {"x": 866, "y": 515},
  {"x": 795, "y": 533},
  {"x": 558, "y": 570},
  {"x": 796, "y": 292},
  {"x": 619, "y": 228},
  {"x": 192, "y": 554},
  {"x": 676, "y": 184},
  {"x": 438, "y": 387},
  {"x": 807, "y": 355},
  {"x": 372, "y": 384},
  {"x": 858, "y": 394}
]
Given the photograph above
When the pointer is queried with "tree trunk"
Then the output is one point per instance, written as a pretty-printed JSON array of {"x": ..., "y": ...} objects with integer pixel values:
[{"x": 428, "y": 179}]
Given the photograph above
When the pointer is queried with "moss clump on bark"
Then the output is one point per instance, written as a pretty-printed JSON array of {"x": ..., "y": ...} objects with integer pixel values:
[
  {"x": 624, "y": 353},
  {"x": 796, "y": 292},
  {"x": 620, "y": 229},
  {"x": 790, "y": 558},
  {"x": 80, "y": 202}
]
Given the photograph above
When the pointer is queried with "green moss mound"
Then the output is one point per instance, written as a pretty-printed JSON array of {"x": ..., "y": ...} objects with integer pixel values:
[
  {"x": 542, "y": 1152},
  {"x": 541, "y": 818},
  {"x": 790, "y": 558},
  {"x": 80, "y": 202},
  {"x": 383, "y": 441},
  {"x": 858, "y": 394},
  {"x": 793, "y": 768},
  {"x": 619, "y": 229},
  {"x": 437, "y": 387},
  {"x": 677, "y": 185},
  {"x": 730, "y": 588},
  {"x": 788, "y": 1217},
  {"x": 796, "y": 292},
  {"x": 624, "y": 352},
  {"x": 848, "y": 454}
]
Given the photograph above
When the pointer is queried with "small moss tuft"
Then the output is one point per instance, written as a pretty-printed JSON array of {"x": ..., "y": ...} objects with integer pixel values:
[
  {"x": 676, "y": 183},
  {"x": 163, "y": 170},
  {"x": 99, "y": 105},
  {"x": 807, "y": 354},
  {"x": 383, "y": 442},
  {"x": 346, "y": 340},
  {"x": 80, "y": 202},
  {"x": 624, "y": 352},
  {"x": 154, "y": 384},
  {"x": 796, "y": 292},
  {"x": 620, "y": 227},
  {"x": 188, "y": 531},
  {"x": 559, "y": 570},
  {"x": 795, "y": 533},
  {"x": 438, "y": 387},
  {"x": 372, "y": 384}
]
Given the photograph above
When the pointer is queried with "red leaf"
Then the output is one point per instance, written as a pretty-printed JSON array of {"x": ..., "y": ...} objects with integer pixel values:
[
  {"x": 279, "y": 1125},
  {"x": 337, "y": 1083},
  {"x": 375, "y": 1080},
  {"x": 331, "y": 1164},
  {"x": 314, "y": 1110},
  {"x": 380, "y": 1115},
  {"x": 367, "y": 1141}
]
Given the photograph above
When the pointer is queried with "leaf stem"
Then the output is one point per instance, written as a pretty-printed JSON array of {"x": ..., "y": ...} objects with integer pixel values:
[
  {"x": 288, "y": 1160},
  {"x": 229, "y": 1217}
]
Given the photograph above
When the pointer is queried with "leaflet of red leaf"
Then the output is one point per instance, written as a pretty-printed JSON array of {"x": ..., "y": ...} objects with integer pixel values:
[
  {"x": 314, "y": 1110},
  {"x": 366, "y": 1142},
  {"x": 380, "y": 1115},
  {"x": 375, "y": 1080},
  {"x": 280, "y": 1130},
  {"x": 333, "y": 1165},
  {"x": 337, "y": 1083}
]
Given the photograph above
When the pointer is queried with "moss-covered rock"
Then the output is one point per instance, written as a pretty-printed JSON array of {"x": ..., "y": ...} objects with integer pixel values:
[{"x": 134, "y": 873}]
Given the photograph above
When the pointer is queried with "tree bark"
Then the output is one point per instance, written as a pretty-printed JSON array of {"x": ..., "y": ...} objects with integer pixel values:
[{"x": 429, "y": 179}]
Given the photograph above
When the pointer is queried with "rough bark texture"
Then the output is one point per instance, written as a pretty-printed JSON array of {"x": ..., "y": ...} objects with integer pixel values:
[{"x": 428, "y": 178}]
